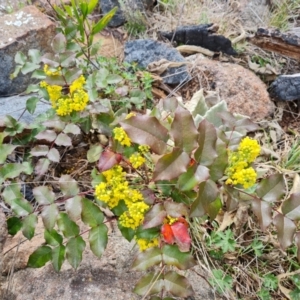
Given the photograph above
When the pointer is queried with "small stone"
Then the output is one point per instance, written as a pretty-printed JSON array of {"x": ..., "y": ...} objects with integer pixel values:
[{"x": 144, "y": 52}]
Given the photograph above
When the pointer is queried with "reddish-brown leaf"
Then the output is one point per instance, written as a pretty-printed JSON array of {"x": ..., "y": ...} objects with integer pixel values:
[
  {"x": 108, "y": 159},
  {"x": 263, "y": 212}
]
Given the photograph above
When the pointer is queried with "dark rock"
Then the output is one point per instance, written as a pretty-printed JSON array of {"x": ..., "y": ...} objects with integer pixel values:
[
  {"x": 119, "y": 18},
  {"x": 200, "y": 35},
  {"x": 144, "y": 52},
  {"x": 286, "y": 87}
]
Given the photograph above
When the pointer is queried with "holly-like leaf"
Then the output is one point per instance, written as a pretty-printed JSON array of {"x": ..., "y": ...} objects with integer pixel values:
[
  {"x": 147, "y": 234},
  {"x": 39, "y": 150},
  {"x": 5, "y": 150},
  {"x": 52, "y": 237},
  {"x": 48, "y": 135},
  {"x": 55, "y": 124},
  {"x": 94, "y": 152},
  {"x": 206, "y": 152},
  {"x": 98, "y": 239},
  {"x": 59, "y": 43},
  {"x": 297, "y": 241},
  {"x": 167, "y": 234},
  {"x": 172, "y": 256},
  {"x": 63, "y": 140},
  {"x": 72, "y": 128},
  {"x": 286, "y": 229},
  {"x": 181, "y": 235},
  {"x": 128, "y": 233},
  {"x": 12, "y": 192},
  {"x": 213, "y": 116},
  {"x": 67, "y": 59},
  {"x": 91, "y": 213},
  {"x": 73, "y": 207},
  {"x": 67, "y": 226},
  {"x": 149, "y": 284},
  {"x": 177, "y": 285},
  {"x": 147, "y": 259},
  {"x": 207, "y": 193},
  {"x": 49, "y": 215},
  {"x": 171, "y": 165},
  {"x": 155, "y": 216},
  {"x": 29, "y": 224},
  {"x": 10, "y": 170},
  {"x": 39, "y": 257},
  {"x": 53, "y": 155},
  {"x": 183, "y": 130},
  {"x": 43, "y": 195},
  {"x": 146, "y": 130},
  {"x": 213, "y": 208},
  {"x": 68, "y": 185},
  {"x": 107, "y": 160},
  {"x": 272, "y": 188},
  {"x": 217, "y": 168},
  {"x": 291, "y": 207},
  {"x": 176, "y": 210},
  {"x": 21, "y": 207},
  {"x": 192, "y": 177},
  {"x": 58, "y": 257},
  {"x": 14, "y": 224},
  {"x": 42, "y": 166},
  {"x": 74, "y": 249}
]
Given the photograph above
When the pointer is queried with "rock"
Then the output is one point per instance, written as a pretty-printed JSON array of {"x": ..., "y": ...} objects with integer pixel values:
[
  {"x": 26, "y": 29},
  {"x": 286, "y": 87},
  {"x": 242, "y": 90},
  {"x": 144, "y": 52},
  {"x": 3, "y": 233},
  {"x": 131, "y": 5},
  {"x": 15, "y": 106},
  {"x": 107, "y": 278},
  {"x": 200, "y": 35}
]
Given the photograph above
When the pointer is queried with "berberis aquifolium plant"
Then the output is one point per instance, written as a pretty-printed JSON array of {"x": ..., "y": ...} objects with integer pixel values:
[{"x": 159, "y": 169}]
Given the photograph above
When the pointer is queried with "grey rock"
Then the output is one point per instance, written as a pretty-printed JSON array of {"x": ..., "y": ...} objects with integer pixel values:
[
  {"x": 15, "y": 106},
  {"x": 130, "y": 5},
  {"x": 200, "y": 35},
  {"x": 144, "y": 52},
  {"x": 286, "y": 87},
  {"x": 3, "y": 232},
  {"x": 26, "y": 29}
]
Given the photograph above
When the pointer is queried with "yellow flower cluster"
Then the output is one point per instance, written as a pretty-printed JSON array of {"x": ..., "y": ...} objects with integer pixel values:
[
  {"x": 145, "y": 244},
  {"x": 131, "y": 114},
  {"x": 121, "y": 136},
  {"x": 75, "y": 100},
  {"x": 50, "y": 72},
  {"x": 144, "y": 149},
  {"x": 239, "y": 170},
  {"x": 136, "y": 160},
  {"x": 115, "y": 189},
  {"x": 170, "y": 220}
]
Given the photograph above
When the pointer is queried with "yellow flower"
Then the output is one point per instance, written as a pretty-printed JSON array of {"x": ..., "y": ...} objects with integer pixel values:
[
  {"x": 136, "y": 160},
  {"x": 145, "y": 244},
  {"x": 144, "y": 149},
  {"x": 51, "y": 72},
  {"x": 121, "y": 136},
  {"x": 131, "y": 114}
]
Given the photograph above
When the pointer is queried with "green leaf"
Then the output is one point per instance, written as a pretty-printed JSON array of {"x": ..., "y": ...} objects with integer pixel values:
[
  {"x": 72, "y": 74},
  {"x": 146, "y": 130},
  {"x": 49, "y": 215},
  {"x": 31, "y": 104},
  {"x": 29, "y": 224},
  {"x": 285, "y": 230},
  {"x": 58, "y": 257},
  {"x": 42, "y": 166},
  {"x": 217, "y": 168},
  {"x": 155, "y": 216},
  {"x": 21, "y": 207},
  {"x": 183, "y": 130},
  {"x": 171, "y": 165},
  {"x": 98, "y": 239},
  {"x": 20, "y": 58},
  {"x": 103, "y": 22},
  {"x": 291, "y": 207},
  {"x": 29, "y": 67},
  {"x": 147, "y": 234},
  {"x": 68, "y": 185},
  {"x": 73, "y": 207},
  {"x": 74, "y": 249},
  {"x": 127, "y": 233},
  {"x": 48, "y": 135},
  {"x": 14, "y": 224},
  {"x": 53, "y": 155},
  {"x": 12, "y": 192},
  {"x": 91, "y": 213},
  {"x": 114, "y": 79},
  {"x": 177, "y": 285},
  {"x": 63, "y": 140},
  {"x": 172, "y": 256},
  {"x": 149, "y": 284},
  {"x": 91, "y": 5},
  {"x": 94, "y": 152},
  {"x": 67, "y": 226},
  {"x": 147, "y": 259},
  {"x": 197, "y": 105},
  {"x": 10, "y": 170},
  {"x": 52, "y": 237},
  {"x": 212, "y": 115},
  {"x": 39, "y": 257},
  {"x": 192, "y": 177},
  {"x": 207, "y": 193},
  {"x": 43, "y": 195},
  {"x": 34, "y": 55},
  {"x": 213, "y": 208},
  {"x": 206, "y": 152},
  {"x": 59, "y": 43},
  {"x": 272, "y": 188},
  {"x": 5, "y": 150},
  {"x": 39, "y": 150}
]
